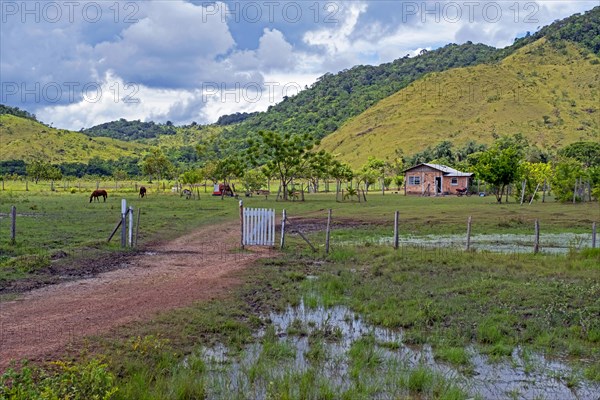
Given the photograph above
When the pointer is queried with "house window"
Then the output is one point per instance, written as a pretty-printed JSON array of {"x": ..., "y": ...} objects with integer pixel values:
[
  {"x": 454, "y": 182},
  {"x": 414, "y": 180}
]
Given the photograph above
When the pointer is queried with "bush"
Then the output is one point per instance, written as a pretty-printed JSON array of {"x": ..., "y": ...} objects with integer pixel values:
[{"x": 91, "y": 381}]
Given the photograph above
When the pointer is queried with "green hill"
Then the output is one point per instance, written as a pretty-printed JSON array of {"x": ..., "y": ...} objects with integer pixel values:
[
  {"x": 547, "y": 91},
  {"x": 27, "y": 139},
  {"x": 325, "y": 105},
  {"x": 130, "y": 130},
  {"x": 335, "y": 98}
]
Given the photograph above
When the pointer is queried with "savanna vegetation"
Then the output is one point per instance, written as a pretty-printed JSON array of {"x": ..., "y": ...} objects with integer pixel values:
[
  {"x": 462, "y": 304},
  {"x": 449, "y": 307}
]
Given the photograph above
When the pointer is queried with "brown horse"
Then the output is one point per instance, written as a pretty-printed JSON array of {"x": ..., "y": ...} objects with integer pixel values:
[
  {"x": 97, "y": 193},
  {"x": 142, "y": 191}
]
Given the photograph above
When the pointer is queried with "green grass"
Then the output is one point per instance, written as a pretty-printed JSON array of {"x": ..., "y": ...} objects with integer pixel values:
[
  {"x": 51, "y": 222},
  {"x": 446, "y": 298},
  {"x": 494, "y": 300},
  {"x": 485, "y": 300}
]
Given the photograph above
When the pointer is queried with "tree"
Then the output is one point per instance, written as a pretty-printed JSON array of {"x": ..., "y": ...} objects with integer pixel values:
[
  {"x": 119, "y": 175},
  {"x": 209, "y": 171},
  {"x": 37, "y": 170},
  {"x": 253, "y": 180},
  {"x": 156, "y": 164},
  {"x": 566, "y": 173},
  {"x": 587, "y": 153},
  {"x": 191, "y": 177},
  {"x": 284, "y": 156},
  {"x": 319, "y": 166},
  {"x": 499, "y": 166},
  {"x": 372, "y": 170},
  {"x": 341, "y": 172},
  {"x": 399, "y": 181},
  {"x": 534, "y": 175},
  {"x": 228, "y": 168}
]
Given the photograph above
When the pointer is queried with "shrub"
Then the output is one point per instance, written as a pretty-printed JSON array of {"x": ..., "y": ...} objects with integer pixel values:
[{"x": 91, "y": 381}]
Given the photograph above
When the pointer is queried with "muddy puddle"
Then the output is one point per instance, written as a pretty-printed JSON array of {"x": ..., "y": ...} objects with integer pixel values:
[
  {"x": 502, "y": 243},
  {"x": 338, "y": 334}
]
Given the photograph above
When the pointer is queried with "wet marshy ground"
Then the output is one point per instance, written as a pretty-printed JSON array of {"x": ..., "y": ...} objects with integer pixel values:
[
  {"x": 316, "y": 352},
  {"x": 550, "y": 243}
]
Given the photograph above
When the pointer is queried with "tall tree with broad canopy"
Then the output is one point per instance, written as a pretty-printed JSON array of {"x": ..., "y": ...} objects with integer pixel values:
[
  {"x": 499, "y": 166},
  {"x": 284, "y": 156},
  {"x": 587, "y": 153},
  {"x": 37, "y": 170},
  {"x": 157, "y": 164},
  {"x": 253, "y": 180}
]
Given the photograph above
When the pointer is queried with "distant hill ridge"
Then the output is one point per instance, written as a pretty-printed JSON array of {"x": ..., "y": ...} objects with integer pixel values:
[
  {"x": 27, "y": 139},
  {"x": 548, "y": 91},
  {"x": 336, "y": 102}
]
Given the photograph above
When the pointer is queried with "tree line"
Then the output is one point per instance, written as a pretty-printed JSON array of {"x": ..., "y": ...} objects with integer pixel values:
[{"x": 295, "y": 159}]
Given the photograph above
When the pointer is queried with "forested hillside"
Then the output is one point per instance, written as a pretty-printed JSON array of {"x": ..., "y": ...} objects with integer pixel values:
[
  {"x": 17, "y": 112},
  {"x": 547, "y": 91},
  {"x": 334, "y": 98},
  {"x": 130, "y": 130}
]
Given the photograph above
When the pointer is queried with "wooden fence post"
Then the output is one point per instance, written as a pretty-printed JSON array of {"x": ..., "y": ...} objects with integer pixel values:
[
  {"x": 594, "y": 235},
  {"x": 283, "y": 218},
  {"x": 396, "y": 221},
  {"x": 536, "y": 245},
  {"x": 544, "y": 192},
  {"x": 13, "y": 225},
  {"x": 469, "y": 233},
  {"x": 534, "y": 193},
  {"x": 137, "y": 226},
  {"x": 242, "y": 224},
  {"x": 328, "y": 232}
]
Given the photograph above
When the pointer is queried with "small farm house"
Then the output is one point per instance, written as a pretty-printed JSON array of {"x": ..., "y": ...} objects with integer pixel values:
[{"x": 434, "y": 180}]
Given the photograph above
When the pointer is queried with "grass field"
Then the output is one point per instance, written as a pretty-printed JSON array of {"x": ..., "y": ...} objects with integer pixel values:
[
  {"x": 513, "y": 311},
  {"x": 64, "y": 221}
]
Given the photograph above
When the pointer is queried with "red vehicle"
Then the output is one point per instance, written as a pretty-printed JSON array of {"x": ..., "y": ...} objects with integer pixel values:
[
  {"x": 222, "y": 189},
  {"x": 460, "y": 192}
]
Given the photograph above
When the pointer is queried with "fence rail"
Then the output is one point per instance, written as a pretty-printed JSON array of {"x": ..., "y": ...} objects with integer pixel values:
[{"x": 534, "y": 242}]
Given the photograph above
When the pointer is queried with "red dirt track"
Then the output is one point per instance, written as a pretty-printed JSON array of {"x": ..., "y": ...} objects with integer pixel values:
[{"x": 197, "y": 266}]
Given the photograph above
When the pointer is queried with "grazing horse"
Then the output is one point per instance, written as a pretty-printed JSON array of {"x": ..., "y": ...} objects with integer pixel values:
[
  {"x": 97, "y": 193},
  {"x": 142, "y": 191}
]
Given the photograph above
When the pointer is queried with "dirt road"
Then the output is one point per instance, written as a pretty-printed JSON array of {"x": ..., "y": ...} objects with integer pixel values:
[{"x": 197, "y": 266}]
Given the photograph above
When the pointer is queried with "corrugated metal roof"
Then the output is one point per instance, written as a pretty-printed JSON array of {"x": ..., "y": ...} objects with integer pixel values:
[{"x": 447, "y": 171}]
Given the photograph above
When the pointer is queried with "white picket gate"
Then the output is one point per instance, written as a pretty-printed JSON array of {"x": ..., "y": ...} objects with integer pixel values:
[{"x": 258, "y": 227}]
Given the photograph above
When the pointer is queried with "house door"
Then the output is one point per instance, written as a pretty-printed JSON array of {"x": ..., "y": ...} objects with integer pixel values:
[{"x": 438, "y": 185}]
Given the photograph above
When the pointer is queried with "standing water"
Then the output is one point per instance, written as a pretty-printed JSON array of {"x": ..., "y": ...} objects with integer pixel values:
[{"x": 341, "y": 353}]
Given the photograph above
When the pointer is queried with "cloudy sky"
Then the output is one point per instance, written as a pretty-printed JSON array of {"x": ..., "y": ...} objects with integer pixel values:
[{"x": 76, "y": 64}]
